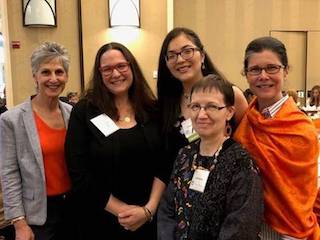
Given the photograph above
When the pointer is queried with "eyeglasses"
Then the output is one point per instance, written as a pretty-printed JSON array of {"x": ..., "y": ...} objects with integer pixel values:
[
  {"x": 270, "y": 69},
  {"x": 209, "y": 108},
  {"x": 186, "y": 54},
  {"x": 108, "y": 70}
]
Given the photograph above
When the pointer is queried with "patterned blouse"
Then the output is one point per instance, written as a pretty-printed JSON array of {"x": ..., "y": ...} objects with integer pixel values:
[{"x": 231, "y": 206}]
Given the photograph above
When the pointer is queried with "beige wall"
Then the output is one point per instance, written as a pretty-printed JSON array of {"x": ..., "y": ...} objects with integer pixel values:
[
  {"x": 313, "y": 68},
  {"x": 144, "y": 42},
  {"x": 227, "y": 26},
  {"x": 65, "y": 33}
]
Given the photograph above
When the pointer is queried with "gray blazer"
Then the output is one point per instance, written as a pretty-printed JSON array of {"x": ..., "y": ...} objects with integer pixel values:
[{"x": 21, "y": 164}]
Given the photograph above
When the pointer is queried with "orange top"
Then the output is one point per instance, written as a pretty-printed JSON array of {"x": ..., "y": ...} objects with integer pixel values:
[
  {"x": 286, "y": 150},
  {"x": 52, "y": 146}
]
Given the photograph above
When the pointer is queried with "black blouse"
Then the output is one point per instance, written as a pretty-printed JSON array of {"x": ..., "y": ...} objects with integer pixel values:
[{"x": 123, "y": 164}]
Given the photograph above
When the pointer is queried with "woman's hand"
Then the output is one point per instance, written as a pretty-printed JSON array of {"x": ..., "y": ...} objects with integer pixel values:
[
  {"x": 116, "y": 206},
  {"x": 23, "y": 231},
  {"x": 133, "y": 218}
]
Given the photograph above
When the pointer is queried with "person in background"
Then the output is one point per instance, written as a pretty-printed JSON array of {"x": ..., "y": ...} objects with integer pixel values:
[
  {"x": 294, "y": 95},
  {"x": 248, "y": 95},
  {"x": 64, "y": 99},
  {"x": 3, "y": 103},
  {"x": 73, "y": 98},
  {"x": 283, "y": 142},
  {"x": 183, "y": 61},
  {"x": 34, "y": 175},
  {"x": 314, "y": 100},
  {"x": 215, "y": 190},
  {"x": 3, "y": 107},
  {"x": 113, "y": 150}
]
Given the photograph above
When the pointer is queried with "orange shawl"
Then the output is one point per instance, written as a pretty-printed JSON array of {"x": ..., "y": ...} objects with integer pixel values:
[
  {"x": 286, "y": 150},
  {"x": 316, "y": 207}
]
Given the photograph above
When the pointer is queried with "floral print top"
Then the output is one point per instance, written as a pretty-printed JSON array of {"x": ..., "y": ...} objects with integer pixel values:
[
  {"x": 231, "y": 206},
  {"x": 182, "y": 176}
]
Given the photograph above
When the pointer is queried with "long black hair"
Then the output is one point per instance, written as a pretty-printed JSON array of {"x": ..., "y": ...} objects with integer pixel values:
[
  {"x": 169, "y": 88},
  {"x": 140, "y": 94}
]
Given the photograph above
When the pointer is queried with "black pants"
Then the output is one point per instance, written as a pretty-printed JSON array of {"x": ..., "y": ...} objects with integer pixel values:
[
  {"x": 58, "y": 225},
  {"x": 7, "y": 233}
]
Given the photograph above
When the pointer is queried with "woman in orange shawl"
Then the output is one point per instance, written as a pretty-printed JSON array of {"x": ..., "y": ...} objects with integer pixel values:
[{"x": 283, "y": 142}]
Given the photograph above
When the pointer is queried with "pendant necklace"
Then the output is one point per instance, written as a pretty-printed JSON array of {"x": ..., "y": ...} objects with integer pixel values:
[{"x": 125, "y": 119}]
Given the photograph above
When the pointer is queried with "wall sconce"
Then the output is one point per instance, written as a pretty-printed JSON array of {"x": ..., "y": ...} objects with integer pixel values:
[
  {"x": 39, "y": 13},
  {"x": 124, "y": 13}
]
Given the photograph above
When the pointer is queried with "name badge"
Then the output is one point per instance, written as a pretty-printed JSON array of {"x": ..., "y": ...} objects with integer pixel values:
[
  {"x": 104, "y": 124},
  {"x": 188, "y": 130},
  {"x": 199, "y": 180}
]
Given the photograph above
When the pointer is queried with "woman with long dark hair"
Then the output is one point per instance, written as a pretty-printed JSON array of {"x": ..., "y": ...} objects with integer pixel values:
[
  {"x": 183, "y": 62},
  {"x": 113, "y": 150}
]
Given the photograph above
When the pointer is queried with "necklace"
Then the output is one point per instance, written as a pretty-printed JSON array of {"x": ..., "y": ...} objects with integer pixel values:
[
  {"x": 126, "y": 119},
  {"x": 194, "y": 166}
]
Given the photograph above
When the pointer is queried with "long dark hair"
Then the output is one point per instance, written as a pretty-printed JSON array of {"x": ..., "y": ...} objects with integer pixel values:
[
  {"x": 315, "y": 101},
  {"x": 140, "y": 94},
  {"x": 169, "y": 88}
]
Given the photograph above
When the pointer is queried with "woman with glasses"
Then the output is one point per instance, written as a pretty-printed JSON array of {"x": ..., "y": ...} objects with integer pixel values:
[
  {"x": 182, "y": 63},
  {"x": 215, "y": 191},
  {"x": 283, "y": 142},
  {"x": 113, "y": 150}
]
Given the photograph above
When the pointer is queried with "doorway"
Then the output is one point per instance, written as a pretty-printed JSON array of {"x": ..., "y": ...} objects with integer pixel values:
[
  {"x": 296, "y": 45},
  {"x": 303, "y": 53}
]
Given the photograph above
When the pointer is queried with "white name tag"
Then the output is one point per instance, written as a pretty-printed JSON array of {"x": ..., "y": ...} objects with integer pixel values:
[
  {"x": 104, "y": 124},
  {"x": 188, "y": 130},
  {"x": 199, "y": 180}
]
